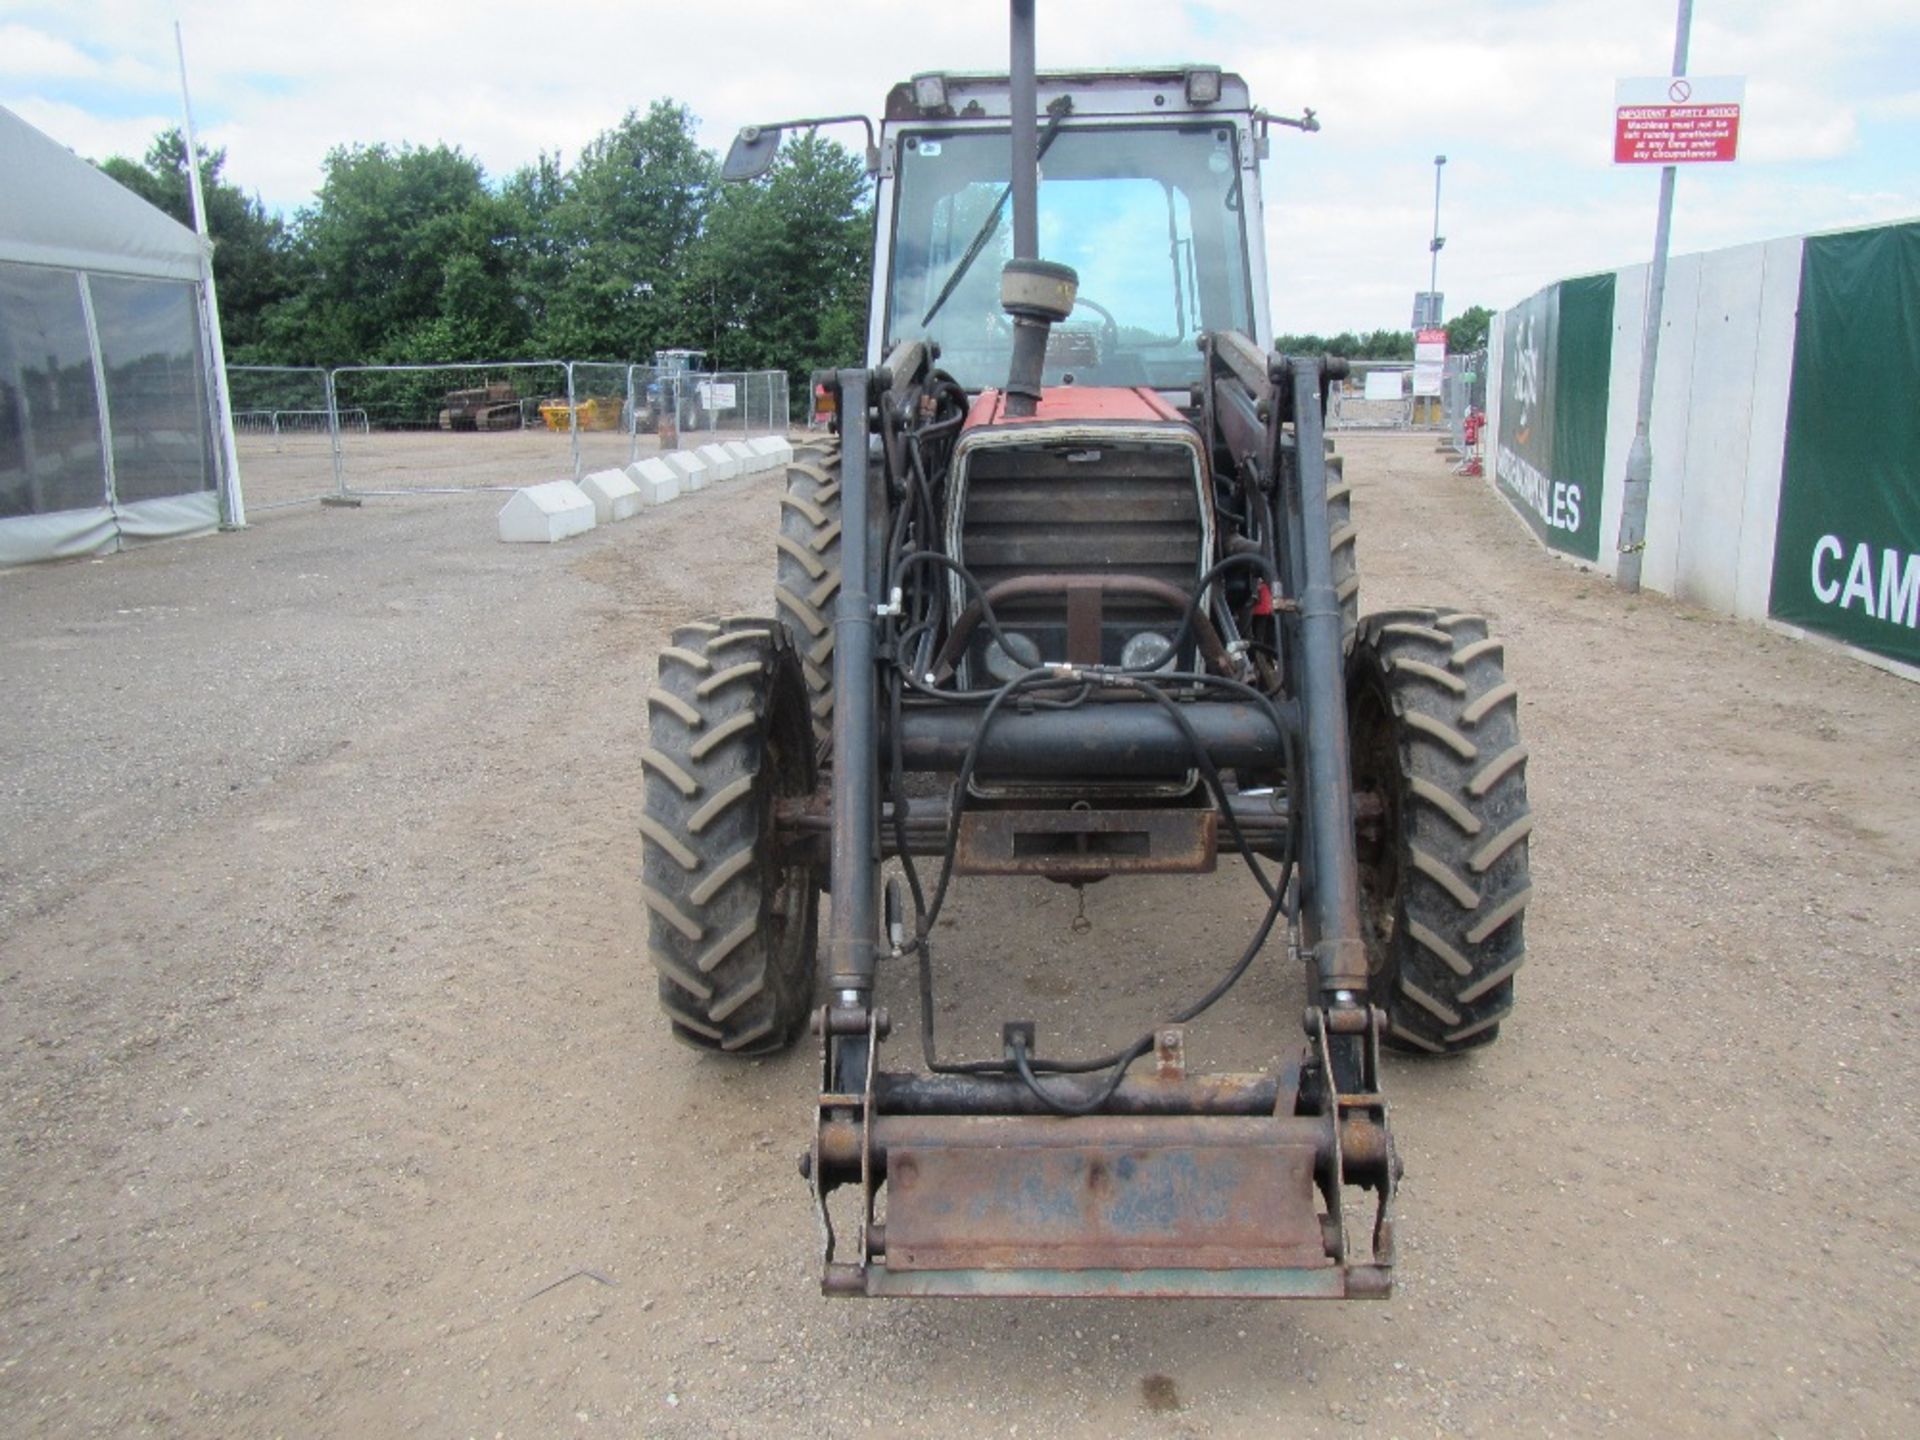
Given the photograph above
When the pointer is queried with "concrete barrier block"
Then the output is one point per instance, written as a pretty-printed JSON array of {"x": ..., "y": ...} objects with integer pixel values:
[
  {"x": 691, "y": 469},
  {"x": 614, "y": 496},
  {"x": 720, "y": 465},
  {"x": 658, "y": 481},
  {"x": 780, "y": 453},
  {"x": 750, "y": 460},
  {"x": 545, "y": 513}
]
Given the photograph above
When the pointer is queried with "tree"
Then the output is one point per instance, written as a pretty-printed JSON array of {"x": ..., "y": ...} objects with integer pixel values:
[
  {"x": 405, "y": 255},
  {"x": 610, "y": 237},
  {"x": 1375, "y": 345},
  {"x": 408, "y": 255},
  {"x": 780, "y": 279},
  {"x": 251, "y": 260},
  {"x": 1467, "y": 331}
]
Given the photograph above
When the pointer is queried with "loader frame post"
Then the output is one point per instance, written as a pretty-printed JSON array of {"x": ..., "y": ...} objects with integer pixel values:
[
  {"x": 855, "y": 866},
  {"x": 1332, "y": 873}
]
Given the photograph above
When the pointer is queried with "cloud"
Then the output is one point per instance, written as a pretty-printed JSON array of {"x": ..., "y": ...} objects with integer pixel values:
[
  {"x": 93, "y": 136},
  {"x": 1518, "y": 93},
  {"x": 34, "y": 54}
]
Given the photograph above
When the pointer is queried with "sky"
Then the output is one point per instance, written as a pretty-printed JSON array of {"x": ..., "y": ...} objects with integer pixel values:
[{"x": 1518, "y": 94}]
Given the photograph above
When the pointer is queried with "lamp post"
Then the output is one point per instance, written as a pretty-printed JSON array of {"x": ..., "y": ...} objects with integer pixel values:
[
  {"x": 1433, "y": 274},
  {"x": 1434, "y": 317},
  {"x": 1639, "y": 478}
]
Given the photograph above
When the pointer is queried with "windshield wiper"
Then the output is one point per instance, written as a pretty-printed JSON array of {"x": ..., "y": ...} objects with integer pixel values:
[{"x": 1058, "y": 112}]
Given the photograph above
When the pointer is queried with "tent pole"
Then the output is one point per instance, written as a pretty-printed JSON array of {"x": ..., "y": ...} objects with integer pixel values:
[
  {"x": 111, "y": 497},
  {"x": 233, "y": 509}
]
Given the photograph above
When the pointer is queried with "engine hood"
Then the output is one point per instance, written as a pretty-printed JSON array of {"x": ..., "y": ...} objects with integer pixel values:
[{"x": 1071, "y": 404}]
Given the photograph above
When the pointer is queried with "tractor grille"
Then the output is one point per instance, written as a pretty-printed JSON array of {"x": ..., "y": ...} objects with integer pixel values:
[{"x": 1130, "y": 508}]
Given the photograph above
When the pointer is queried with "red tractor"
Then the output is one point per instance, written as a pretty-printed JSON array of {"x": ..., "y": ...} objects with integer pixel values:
[{"x": 1072, "y": 594}]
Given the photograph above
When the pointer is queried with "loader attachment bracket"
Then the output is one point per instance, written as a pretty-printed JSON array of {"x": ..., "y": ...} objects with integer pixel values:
[{"x": 1184, "y": 1186}]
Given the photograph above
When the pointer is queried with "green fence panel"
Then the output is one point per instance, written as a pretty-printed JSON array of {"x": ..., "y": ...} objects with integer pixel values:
[
  {"x": 1551, "y": 450},
  {"x": 1846, "y": 558}
]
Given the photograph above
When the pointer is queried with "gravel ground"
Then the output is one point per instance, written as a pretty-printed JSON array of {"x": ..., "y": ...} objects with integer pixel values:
[
  {"x": 334, "y": 1101},
  {"x": 297, "y": 466}
]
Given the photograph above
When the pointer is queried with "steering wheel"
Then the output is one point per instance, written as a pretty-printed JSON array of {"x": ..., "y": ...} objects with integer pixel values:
[{"x": 1109, "y": 327}]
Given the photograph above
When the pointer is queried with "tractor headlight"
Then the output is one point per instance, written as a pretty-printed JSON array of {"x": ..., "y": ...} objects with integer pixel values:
[
  {"x": 1203, "y": 85},
  {"x": 1014, "y": 659},
  {"x": 930, "y": 92},
  {"x": 1149, "y": 650}
]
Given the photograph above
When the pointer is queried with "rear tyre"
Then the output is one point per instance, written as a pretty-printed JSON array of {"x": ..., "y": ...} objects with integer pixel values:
[
  {"x": 807, "y": 568},
  {"x": 732, "y": 914},
  {"x": 1440, "y": 774}
]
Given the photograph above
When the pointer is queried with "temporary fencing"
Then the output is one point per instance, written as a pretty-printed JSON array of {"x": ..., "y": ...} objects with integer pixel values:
[
  {"x": 283, "y": 432},
  {"x": 1376, "y": 395},
  {"x": 1463, "y": 390},
  {"x": 306, "y": 433}
]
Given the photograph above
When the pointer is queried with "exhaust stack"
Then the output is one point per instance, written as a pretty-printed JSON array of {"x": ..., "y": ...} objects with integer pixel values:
[{"x": 1035, "y": 293}]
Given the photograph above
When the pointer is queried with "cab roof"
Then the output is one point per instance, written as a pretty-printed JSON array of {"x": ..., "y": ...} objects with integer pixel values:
[{"x": 1158, "y": 90}]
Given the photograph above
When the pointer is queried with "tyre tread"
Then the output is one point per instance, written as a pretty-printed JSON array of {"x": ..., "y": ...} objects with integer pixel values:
[
  {"x": 1446, "y": 978},
  {"x": 729, "y": 980},
  {"x": 807, "y": 568}
]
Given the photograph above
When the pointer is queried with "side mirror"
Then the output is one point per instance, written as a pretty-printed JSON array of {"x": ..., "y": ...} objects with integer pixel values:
[{"x": 751, "y": 155}]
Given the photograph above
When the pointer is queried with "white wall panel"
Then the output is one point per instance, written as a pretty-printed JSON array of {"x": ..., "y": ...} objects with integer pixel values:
[
  {"x": 1779, "y": 314},
  {"x": 1712, "y": 484},
  {"x": 1673, "y": 380},
  {"x": 1623, "y": 403}
]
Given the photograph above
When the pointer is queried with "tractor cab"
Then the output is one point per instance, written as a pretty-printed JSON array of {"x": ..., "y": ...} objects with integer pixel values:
[
  {"x": 1148, "y": 188},
  {"x": 678, "y": 362},
  {"x": 675, "y": 399}
]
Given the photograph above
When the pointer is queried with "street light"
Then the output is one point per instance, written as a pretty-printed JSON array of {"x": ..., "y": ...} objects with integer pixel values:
[{"x": 1434, "y": 314}]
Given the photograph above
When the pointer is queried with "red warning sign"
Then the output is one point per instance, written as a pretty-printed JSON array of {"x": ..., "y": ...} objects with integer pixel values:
[{"x": 1677, "y": 120}]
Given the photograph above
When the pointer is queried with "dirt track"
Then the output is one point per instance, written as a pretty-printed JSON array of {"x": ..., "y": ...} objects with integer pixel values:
[{"x": 334, "y": 1102}]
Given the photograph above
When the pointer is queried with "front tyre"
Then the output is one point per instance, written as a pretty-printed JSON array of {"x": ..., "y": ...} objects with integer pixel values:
[
  {"x": 807, "y": 567},
  {"x": 1342, "y": 535},
  {"x": 1440, "y": 786},
  {"x": 732, "y": 912}
]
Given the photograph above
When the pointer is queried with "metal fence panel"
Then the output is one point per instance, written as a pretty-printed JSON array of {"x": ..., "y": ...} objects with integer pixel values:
[
  {"x": 305, "y": 433},
  {"x": 1462, "y": 389},
  {"x": 282, "y": 433},
  {"x": 604, "y": 418},
  {"x": 1357, "y": 403},
  {"x": 455, "y": 427}
]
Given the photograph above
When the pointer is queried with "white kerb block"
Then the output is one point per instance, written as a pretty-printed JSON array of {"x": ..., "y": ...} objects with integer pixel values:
[
  {"x": 691, "y": 469},
  {"x": 659, "y": 482},
  {"x": 750, "y": 461},
  {"x": 778, "y": 452},
  {"x": 720, "y": 464},
  {"x": 614, "y": 496},
  {"x": 545, "y": 513}
]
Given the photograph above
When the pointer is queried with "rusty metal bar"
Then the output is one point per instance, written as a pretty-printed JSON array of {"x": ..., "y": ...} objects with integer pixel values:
[
  {"x": 1102, "y": 1191},
  {"x": 1358, "y": 1282},
  {"x": 1364, "y": 1150},
  {"x": 898, "y": 1094}
]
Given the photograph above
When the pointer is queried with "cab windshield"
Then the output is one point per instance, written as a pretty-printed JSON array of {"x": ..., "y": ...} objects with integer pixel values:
[{"x": 1150, "y": 216}]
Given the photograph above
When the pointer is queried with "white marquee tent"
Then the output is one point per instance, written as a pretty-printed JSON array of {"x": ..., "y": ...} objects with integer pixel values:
[{"x": 111, "y": 429}]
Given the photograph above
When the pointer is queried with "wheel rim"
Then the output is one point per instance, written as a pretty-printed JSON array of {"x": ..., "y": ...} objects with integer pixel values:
[
  {"x": 1376, "y": 775},
  {"x": 789, "y": 909}
]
